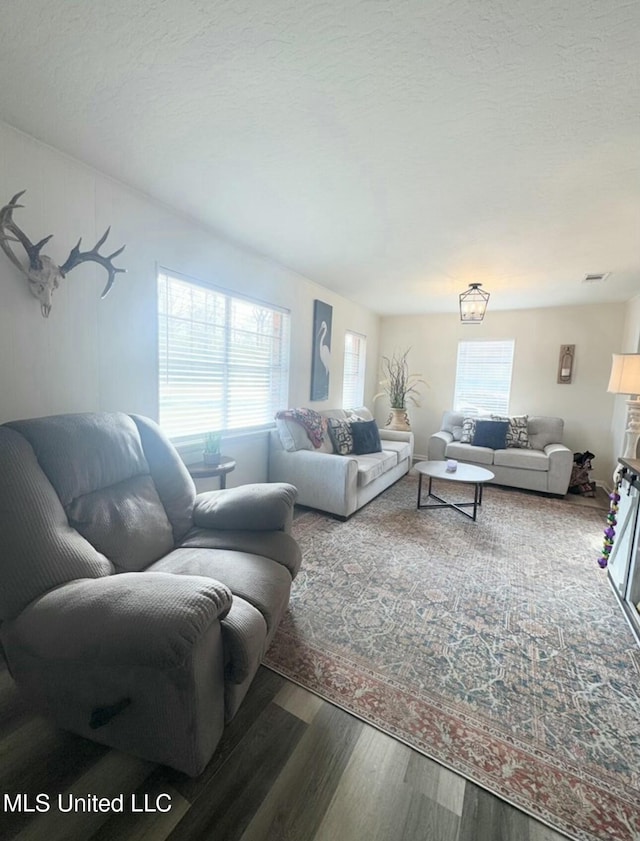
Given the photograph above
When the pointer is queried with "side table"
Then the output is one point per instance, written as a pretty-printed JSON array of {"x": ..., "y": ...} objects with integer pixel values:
[{"x": 206, "y": 471}]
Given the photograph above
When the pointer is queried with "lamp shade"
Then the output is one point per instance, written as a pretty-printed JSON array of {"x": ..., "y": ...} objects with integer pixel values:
[
  {"x": 473, "y": 304},
  {"x": 625, "y": 374}
]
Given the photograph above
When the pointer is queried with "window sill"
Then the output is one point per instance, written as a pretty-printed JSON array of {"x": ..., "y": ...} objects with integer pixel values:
[{"x": 191, "y": 451}]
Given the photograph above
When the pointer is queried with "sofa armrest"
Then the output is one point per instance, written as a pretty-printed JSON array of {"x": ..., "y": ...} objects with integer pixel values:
[
  {"x": 395, "y": 435},
  {"x": 438, "y": 443},
  {"x": 258, "y": 507},
  {"x": 398, "y": 435},
  {"x": 131, "y": 619},
  {"x": 560, "y": 464},
  {"x": 324, "y": 480}
]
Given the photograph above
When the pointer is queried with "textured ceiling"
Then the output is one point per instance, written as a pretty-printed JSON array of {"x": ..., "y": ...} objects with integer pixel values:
[{"x": 392, "y": 150}]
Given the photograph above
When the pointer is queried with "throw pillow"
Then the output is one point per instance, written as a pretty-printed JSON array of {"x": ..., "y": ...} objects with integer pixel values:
[
  {"x": 340, "y": 434},
  {"x": 293, "y": 436},
  {"x": 518, "y": 434},
  {"x": 468, "y": 428},
  {"x": 366, "y": 438},
  {"x": 491, "y": 433}
]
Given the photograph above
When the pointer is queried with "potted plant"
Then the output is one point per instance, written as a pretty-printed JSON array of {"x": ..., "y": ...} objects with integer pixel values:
[
  {"x": 400, "y": 387},
  {"x": 211, "y": 453}
]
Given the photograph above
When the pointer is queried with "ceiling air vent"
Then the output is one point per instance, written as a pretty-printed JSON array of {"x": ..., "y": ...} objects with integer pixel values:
[{"x": 596, "y": 277}]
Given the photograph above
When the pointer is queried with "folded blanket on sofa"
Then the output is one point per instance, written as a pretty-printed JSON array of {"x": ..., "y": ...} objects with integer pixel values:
[{"x": 311, "y": 420}]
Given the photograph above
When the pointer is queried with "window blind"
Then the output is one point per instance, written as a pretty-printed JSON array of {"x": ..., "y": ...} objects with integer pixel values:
[
  {"x": 223, "y": 360},
  {"x": 355, "y": 358},
  {"x": 483, "y": 376}
]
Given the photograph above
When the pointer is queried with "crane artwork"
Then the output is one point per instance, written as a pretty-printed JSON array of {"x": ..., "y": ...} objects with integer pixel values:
[{"x": 43, "y": 275}]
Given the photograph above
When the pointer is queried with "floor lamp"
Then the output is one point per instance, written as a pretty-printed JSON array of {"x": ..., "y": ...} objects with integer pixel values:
[{"x": 625, "y": 379}]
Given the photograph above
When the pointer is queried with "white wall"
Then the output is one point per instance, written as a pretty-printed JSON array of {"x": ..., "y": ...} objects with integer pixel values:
[
  {"x": 100, "y": 355},
  {"x": 585, "y": 405}
]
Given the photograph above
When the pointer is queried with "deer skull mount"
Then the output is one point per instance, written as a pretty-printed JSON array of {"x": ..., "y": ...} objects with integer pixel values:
[{"x": 43, "y": 275}]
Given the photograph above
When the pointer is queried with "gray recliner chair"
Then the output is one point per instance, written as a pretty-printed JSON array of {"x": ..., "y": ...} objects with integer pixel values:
[{"x": 134, "y": 611}]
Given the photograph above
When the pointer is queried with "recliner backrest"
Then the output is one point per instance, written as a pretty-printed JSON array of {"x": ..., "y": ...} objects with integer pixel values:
[
  {"x": 39, "y": 550},
  {"x": 80, "y": 499}
]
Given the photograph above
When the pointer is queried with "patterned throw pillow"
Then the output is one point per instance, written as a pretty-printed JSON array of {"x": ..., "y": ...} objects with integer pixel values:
[
  {"x": 468, "y": 430},
  {"x": 518, "y": 432},
  {"x": 340, "y": 434}
]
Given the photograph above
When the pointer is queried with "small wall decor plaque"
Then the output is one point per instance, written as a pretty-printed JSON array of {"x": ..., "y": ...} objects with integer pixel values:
[{"x": 565, "y": 363}]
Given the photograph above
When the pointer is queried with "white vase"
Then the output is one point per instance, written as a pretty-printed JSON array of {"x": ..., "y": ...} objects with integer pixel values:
[{"x": 398, "y": 420}]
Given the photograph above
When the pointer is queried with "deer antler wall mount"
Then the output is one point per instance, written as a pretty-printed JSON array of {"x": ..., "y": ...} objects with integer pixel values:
[{"x": 43, "y": 275}]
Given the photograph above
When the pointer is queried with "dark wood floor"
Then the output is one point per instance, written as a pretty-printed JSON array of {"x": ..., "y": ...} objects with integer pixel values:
[{"x": 290, "y": 767}]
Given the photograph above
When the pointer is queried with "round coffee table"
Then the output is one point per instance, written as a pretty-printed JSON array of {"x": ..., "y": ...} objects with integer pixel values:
[{"x": 468, "y": 473}]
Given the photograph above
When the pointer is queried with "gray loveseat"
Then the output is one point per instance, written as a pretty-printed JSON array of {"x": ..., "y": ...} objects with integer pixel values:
[
  {"x": 337, "y": 484},
  {"x": 134, "y": 611},
  {"x": 544, "y": 466}
]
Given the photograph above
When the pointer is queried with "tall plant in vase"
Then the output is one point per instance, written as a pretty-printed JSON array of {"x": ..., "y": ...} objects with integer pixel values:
[{"x": 400, "y": 388}]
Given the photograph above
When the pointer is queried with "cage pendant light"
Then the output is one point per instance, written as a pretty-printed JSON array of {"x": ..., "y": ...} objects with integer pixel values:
[{"x": 473, "y": 304}]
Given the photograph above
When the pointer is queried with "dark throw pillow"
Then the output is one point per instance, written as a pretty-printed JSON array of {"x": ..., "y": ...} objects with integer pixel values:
[
  {"x": 366, "y": 438},
  {"x": 492, "y": 434}
]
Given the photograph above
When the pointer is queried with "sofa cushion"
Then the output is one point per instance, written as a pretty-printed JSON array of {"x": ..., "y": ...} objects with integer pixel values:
[
  {"x": 366, "y": 438},
  {"x": 467, "y": 452},
  {"x": 452, "y": 422},
  {"x": 340, "y": 433},
  {"x": 126, "y": 522},
  {"x": 263, "y": 583},
  {"x": 293, "y": 436},
  {"x": 276, "y": 545},
  {"x": 521, "y": 458},
  {"x": 468, "y": 430},
  {"x": 373, "y": 465},
  {"x": 402, "y": 449},
  {"x": 82, "y": 453},
  {"x": 518, "y": 432},
  {"x": 490, "y": 433},
  {"x": 545, "y": 430},
  {"x": 362, "y": 413}
]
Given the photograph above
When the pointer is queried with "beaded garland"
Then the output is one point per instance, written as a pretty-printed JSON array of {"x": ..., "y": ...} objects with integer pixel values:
[{"x": 612, "y": 521}]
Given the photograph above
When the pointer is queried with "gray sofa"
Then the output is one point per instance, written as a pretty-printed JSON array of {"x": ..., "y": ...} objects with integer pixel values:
[
  {"x": 134, "y": 611},
  {"x": 545, "y": 466},
  {"x": 337, "y": 484}
]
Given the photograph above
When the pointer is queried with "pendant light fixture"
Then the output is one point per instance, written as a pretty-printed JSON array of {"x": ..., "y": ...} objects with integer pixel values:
[{"x": 473, "y": 304}]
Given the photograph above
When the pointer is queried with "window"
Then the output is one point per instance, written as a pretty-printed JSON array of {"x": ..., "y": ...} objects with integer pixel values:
[
  {"x": 355, "y": 360},
  {"x": 483, "y": 377},
  {"x": 223, "y": 360}
]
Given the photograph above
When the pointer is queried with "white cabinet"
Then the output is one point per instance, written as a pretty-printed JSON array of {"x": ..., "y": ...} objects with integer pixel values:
[{"x": 624, "y": 561}]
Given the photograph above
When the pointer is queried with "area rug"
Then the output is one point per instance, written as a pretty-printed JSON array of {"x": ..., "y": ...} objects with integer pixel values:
[{"x": 496, "y": 648}]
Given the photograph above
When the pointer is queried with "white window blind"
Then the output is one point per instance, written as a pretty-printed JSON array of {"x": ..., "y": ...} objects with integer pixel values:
[
  {"x": 355, "y": 359},
  {"x": 483, "y": 377},
  {"x": 223, "y": 360}
]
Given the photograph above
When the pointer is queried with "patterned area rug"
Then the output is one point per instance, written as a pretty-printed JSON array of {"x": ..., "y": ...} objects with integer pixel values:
[{"x": 496, "y": 648}]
